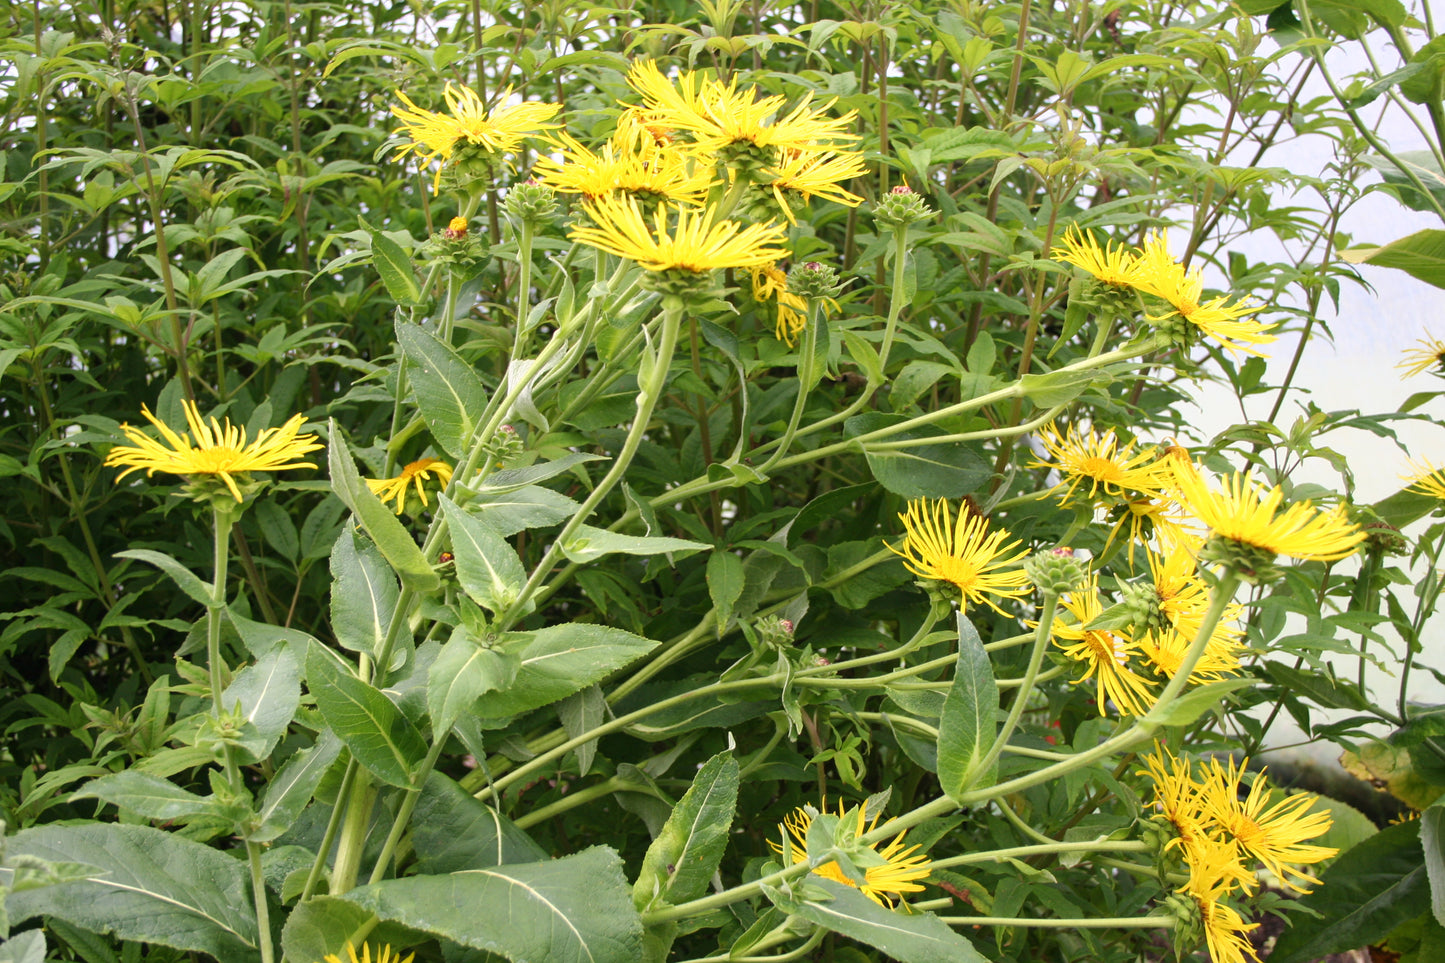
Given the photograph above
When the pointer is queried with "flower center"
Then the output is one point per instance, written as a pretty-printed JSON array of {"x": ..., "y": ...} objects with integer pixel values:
[{"x": 960, "y": 572}]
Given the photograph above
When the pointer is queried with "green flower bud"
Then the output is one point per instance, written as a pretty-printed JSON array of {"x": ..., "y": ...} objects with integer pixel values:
[
  {"x": 1056, "y": 570},
  {"x": 814, "y": 281},
  {"x": 901, "y": 207},
  {"x": 531, "y": 203}
]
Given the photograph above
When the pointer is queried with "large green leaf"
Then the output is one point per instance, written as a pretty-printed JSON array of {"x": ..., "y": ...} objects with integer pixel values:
[
  {"x": 452, "y": 831},
  {"x": 146, "y": 795},
  {"x": 184, "y": 578},
  {"x": 682, "y": 859},
  {"x": 448, "y": 391},
  {"x": 380, "y": 522},
  {"x": 591, "y": 543},
  {"x": 464, "y": 670},
  {"x": 1366, "y": 893},
  {"x": 968, "y": 726},
  {"x": 395, "y": 268},
  {"x": 291, "y": 789},
  {"x": 488, "y": 568},
  {"x": 372, "y": 727},
  {"x": 1420, "y": 255},
  {"x": 1432, "y": 841},
  {"x": 324, "y": 925},
  {"x": 531, "y": 506},
  {"x": 150, "y": 886},
  {"x": 560, "y": 660},
  {"x": 915, "y": 938},
  {"x": 949, "y": 470},
  {"x": 725, "y": 580},
  {"x": 363, "y": 593},
  {"x": 268, "y": 694},
  {"x": 571, "y": 910}
]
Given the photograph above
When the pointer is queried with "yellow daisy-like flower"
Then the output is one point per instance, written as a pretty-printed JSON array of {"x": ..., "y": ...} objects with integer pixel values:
[
  {"x": 1430, "y": 356},
  {"x": 695, "y": 244},
  {"x": 412, "y": 475},
  {"x": 813, "y": 173},
  {"x": 962, "y": 552},
  {"x": 645, "y": 172},
  {"x": 1165, "y": 650},
  {"x": 1427, "y": 480},
  {"x": 1275, "y": 834},
  {"x": 1145, "y": 516},
  {"x": 1244, "y": 512},
  {"x": 770, "y": 283},
  {"x": 383, "y": 955},
  {"x": 1229, "y": 324},
  {"x": 1106, "y": 654},
  {"x": 217, "y": 450},
  {"x": 1183, "y": 597},
  {"x": 1176, "y": 796},
  {"x": 437, "y": 135},
  {"x": 885, "y": 882},
  {"x": 1213, "y": 870},
  {"x": 1109, "y": 264},
  {"x": 1099, "y": 461}
]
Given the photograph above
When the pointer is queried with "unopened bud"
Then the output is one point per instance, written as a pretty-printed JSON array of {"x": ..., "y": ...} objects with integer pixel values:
[
  {"x": 456, "y": 229},
  {"x": 901, "y": 207},
  {"x": 1056, "y": 571},
  {"x": 531, "y": 203},
  {"x": 814, "y": 281}
]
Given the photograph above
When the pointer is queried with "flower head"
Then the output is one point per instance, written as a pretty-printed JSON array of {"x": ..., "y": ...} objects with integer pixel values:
[
  {"x": 383, "y": 955},
  {"x": 216, "y": 450},
  {"x": 412, "y": 475},
  {"x": 1243, "y": 512},
  {"x": 695, "y": 244},
  {"x": 1275, "y": 834},
  {"x": 1105, "y": 654},
  {"x": 1213, "y": 871},
  {"x": 1430, "y": 356},
  {"x": 815, "y": 173},
  {"x": 894, "y": 869},
  {"x": 468, "y": 122},
  {"x": 636, "y": 167},
  {"x": 1427, "y": 480},
  {"x": 1109, "y": 264},
  {"x": 1098, "y": 461},
  {"x": 1229, "y": 324},
  {"x": 961, "y": 551}
]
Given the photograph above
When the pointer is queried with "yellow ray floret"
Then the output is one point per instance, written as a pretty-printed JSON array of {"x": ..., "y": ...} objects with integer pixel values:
[
  {"x": 1277, "y": 835},
  {"x": 897, "y": 874},
  {"x": 961, "y": 551},
  {"x": 695, "y": 243},
  {"x": 1427, "y": 480},
  {"x": 647, "y": 172},
  {"x": 1229, "y": 324},
  {"x": 467, "y": 120},
  {"x": 1245, "y": 512},
  {"x": 217, "y": 449},
  {"x": 1100, "y": 462},
  {"x": 1110, "y": 263},
  {"x": 412, "y": 475},
  {"x": 1105, "y": 654},
  {"x": 1430, "y": 356},
  {"x": 383, "y": 955},
  {"x": 813, "y": 173},
  {"x": 1213, "y": 871}
]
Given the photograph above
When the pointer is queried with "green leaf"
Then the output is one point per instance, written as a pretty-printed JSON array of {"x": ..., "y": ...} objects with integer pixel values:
[
  {"x": 151, "y": 886},
  {"x": 1328, "y": 692},
  {"x": 581, "y": 712},
  {"x": 1432, "y": 841},
  {"x": 488, "y": 568},
  {"x": 968, "y": 726},
  {"x": 260, "y": 637},
  {"x": 322, "y": 926},
  {"x": 182, "y": 576},
  {"x": 372, "y": 727},
  {"x": 27, "y": 947},
  {"x": 269, "y": 694},
  {"x": 447, "y": 390},
  {"x": 560, "y": 660},
  {"x": 394, "y": 266},
  {"x": 532, "y": 506},
  {"x": 915, "y": 938},
  {"x": 1366, "y": 893},
  {"x": 385, "y": 529},
  {"x": 949, "y": 470},
  {"x": 1197, "y": 701},
  {"x": 725, "y": 579},
  {"x": 292, "y": 788},
  {"x": 683, "y": 858},
  {"x": 591, "y": 543},
  {"x": 364, "y": 593},
  {"x": 146, "y": 795},
  {"x": 453, "y": 831},
  {"x": 1060, "y": 387},
  {"x": 570, "y": 910},
  {"x": 1420, "y": 255},
  {"x": 511, "y": 479},
  {"x": 463, "y": 671}
]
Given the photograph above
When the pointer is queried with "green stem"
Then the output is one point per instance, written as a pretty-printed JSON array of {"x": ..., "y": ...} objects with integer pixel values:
[
  {"x": 895, "y": 304},
  {"x": 353, "y": 833},
  {"x": 807, "y": 378},
  {"x": 408, "y": 805},
  {"x": 1021, "y": 852},
  {"x": 1041, "y": 643},
  {"x": 1084, "y": 923},
  {"x": 263, "y": 910},
  {"x": 333, "y": 824}
]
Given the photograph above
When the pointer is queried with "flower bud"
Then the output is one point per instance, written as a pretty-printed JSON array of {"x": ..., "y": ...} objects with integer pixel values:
[
  {"x": 814, "y": 281},
  {"x": 901, "y": 207},
  {"x": 1056, "y": 570},
  {"x": 531, "y": 203}
]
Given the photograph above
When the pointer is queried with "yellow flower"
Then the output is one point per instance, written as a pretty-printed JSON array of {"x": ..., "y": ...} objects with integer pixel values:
[
  {"x": 1276, "y": 834},
  {"x": 384, "y": 955},
  {"x": 436, "y": 135},
  {"x": 1229, "y": 324},
  {"x": 696, "y": 244},
  {"x": 1213, "y": 871},
  {"x": 1106, "y": 654},
  {"x": 389, "y": 489},
  {"x": 1244, "y": 512},
  {"x": 1430, "y": 356},
  {"x": 814, "y": 173},
  {"x": 1166, "y": 647},
  {"x": 217, "y": 450},
  {"x": 1099, "y": 461},
  {"x": 648, "y": 172},
  {"x": 884, "y": 883},
  {"x": 1183, "y": 598},
  {"x": 1176, "y": 795},
  {"x": 961, "y": 552},
  {"x": 1427, "y": 480},
  {"x": 1161, "y": 517},
  {"x": 1110, "y": 264},
  {"x": 769, "y": 281}
]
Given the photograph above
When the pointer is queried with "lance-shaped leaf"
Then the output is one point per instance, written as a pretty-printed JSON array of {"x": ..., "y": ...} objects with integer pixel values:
[
  {"x": 914, "y": 938},
  {"x": 184, "y": 578},
  {"x": 560, "y": 660},
  {"x": 682, "y": 859},
  {"x": 146, "y": 795},
  {"x": 452, "y": 831},
  {"x": 532, "y": 506},
  {"x": 725, "y": 580},
  {"x": 570, "y": 910},
  {"x": 151, "y": 886},
  {"x": 372, "y": 727},
  {"x": 464, "y": 670},
  {"x": 488, "y": 568},
  {"x": 1432, "y": 840},
  {"x": 969, "y": 724},
  {"x": 380, "y": 522},
  {"x": 293, "y": 787},
  {"x": 363, "y": 593},
  {"x": 268, "y": 693},
  {"x": 395, "y": 268},
  {"x": 591, "y": 543},
  {"x": 447, "y": 390},
  {"x": 580, "y": 713},
  {"x": 511, "y": 479}
]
